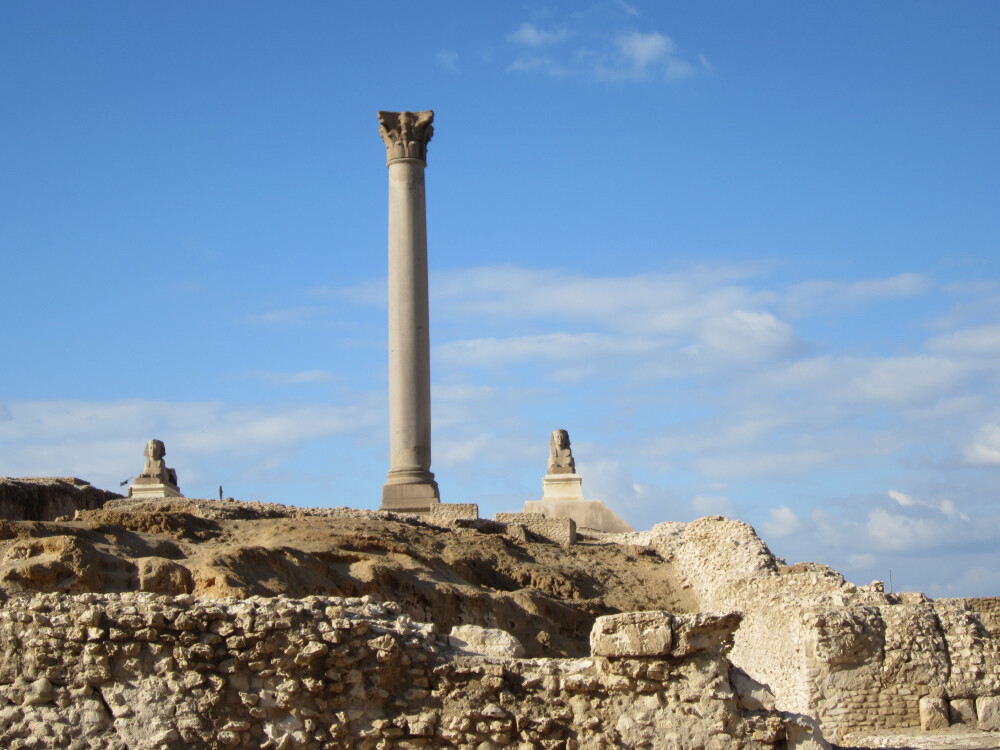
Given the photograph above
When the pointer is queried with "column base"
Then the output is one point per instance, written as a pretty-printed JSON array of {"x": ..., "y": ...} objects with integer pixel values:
[{"x": 410, "y": 493}]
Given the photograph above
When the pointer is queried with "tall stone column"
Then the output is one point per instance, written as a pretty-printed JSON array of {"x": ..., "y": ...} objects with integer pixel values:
[{"x": 410, "y": 486}]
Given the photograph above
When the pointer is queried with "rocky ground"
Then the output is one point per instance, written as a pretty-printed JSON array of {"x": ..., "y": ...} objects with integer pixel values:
[
  {"x": 547, "y": 596},
  {"x": 448, "y": 574}
]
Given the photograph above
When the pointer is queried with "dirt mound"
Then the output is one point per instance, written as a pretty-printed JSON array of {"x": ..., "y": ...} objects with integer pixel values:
[{"x": 547, "y": 596}]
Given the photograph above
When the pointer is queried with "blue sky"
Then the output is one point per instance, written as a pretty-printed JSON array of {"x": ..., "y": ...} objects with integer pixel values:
[{"x": 745, "y": 253}]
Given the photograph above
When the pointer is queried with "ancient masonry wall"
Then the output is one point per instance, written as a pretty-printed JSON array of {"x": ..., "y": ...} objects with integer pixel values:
[
  {"x": 142, "y": 671},
  {"x": 869, "y": 667},
  {"x": 444, "y": 512},
  {"x": 558, "y": 530},
  {"x": 853, "y": 657},
  {"x": 988, "y": 609}
]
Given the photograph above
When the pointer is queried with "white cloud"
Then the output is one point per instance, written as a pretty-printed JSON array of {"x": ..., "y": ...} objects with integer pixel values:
[
  {"x": 783, "y": 522},
  {"x": 818, "y": 296},
  {"x": 980, "y": 579},
  {"x": 304, "y": 377},
  {"x": 748, "y": 334},
  {"x": 630, "y": 9},
  {"x": 546, "y": 64},
  {"x": 642, "y": 50},
  {"x": 600, "y": 54},
  {"x": 102, "y": 441},
  {"x": 880, "y": 381},
  {"x": 980, "y": 341},
  {"x": 530, "y": 35},
  {"x": 286, "y": 316},
  {"x": 902, "y": 498},
  {"x": 713, "y": 505},
  {"x": 447, "y": 60},
  {"x": 560, "y": 347},
  {"x": 985, "y": 448}
]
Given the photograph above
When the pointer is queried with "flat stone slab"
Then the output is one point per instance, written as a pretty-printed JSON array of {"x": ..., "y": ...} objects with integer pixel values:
[
  {"x": 591, "y": 514},
  {"x": 633, "y": 634},
  {"x": 145, "y": 490},
  {"x": 473, "y": 639}
]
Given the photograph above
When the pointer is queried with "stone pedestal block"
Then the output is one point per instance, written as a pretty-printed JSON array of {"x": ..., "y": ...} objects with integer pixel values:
[
  {"x": 141, "y": 490},
  {"x": 562, "y": 487},
  {"x": 591, "y": 514}
]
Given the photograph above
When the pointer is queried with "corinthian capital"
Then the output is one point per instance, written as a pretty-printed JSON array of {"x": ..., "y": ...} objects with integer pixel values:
[{"x": 406, "y": 134}]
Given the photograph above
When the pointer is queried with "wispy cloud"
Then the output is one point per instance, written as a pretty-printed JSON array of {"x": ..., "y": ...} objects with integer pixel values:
[
  {"x": 821, "y": 296},
  {"x": 447, "y": 60},
  {"x": 529, "y": 35},
  {"x": 783, "y": 521},
  {"x": 102, "y": 441},
  {"x": 630, "y": 9},
  {"x": 599, "y": 53},
  {"x": 285, "y": 316},
  {"x": 304, "y": 377}
]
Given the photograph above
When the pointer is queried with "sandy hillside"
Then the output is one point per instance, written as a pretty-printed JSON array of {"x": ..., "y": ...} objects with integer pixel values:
[{"x": 546, "y": 595}]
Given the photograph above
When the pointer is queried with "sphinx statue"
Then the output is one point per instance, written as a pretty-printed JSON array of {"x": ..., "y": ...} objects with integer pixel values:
[
  {"x": 157, "y": 479},
  {"x": 560, "y": 454}
]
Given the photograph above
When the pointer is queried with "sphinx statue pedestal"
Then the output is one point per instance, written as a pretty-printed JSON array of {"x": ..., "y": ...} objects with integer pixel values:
[
  {"x": 562, "y": 487},
  {"x": 562, "y": 493},
  {"x": 144, "y": 487},
  {"x": 157, "y": 479}
]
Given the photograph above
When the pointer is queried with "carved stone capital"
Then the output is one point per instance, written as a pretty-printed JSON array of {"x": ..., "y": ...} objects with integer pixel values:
[{"x": 406, "y": 134}]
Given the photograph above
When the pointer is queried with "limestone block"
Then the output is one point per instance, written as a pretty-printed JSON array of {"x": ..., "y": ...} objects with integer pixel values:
[
  {"x": 454, "y": 511},
  {"x": 632, "y": 634},
  {"x": 591, "y": 514},
  {"x": 140, "y": 490},
  {"x": 933, "y": 713},
  {"x": 473, "y": 639},
  {"x": 562, "y": 487},
  {"x": 988, "y": 710},
  {"x": 962, "y": 711},
  {"x": 163, "y": 576},
  {"x": 753, "y": 695},
  {"x": 558, "y": 530},
  {"x": 705, "y": 631}
]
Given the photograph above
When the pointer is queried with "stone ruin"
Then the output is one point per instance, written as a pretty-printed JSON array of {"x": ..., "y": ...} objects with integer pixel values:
[
  {"x": 156, "y": 479},
  {"x": 562, "y": 493},
  {"x": 767, "y": 656},
  {"x": 143, "y": 671}
]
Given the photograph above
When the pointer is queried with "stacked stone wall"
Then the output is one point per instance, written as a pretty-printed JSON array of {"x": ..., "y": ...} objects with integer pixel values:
[
  {"x": 854, "y": 657},
  {"x": 143, "y": 671},
  {"x": 557, "y": 530},
  {"x": 988, "y": 609},
  {"x": 444, "y": 512}
]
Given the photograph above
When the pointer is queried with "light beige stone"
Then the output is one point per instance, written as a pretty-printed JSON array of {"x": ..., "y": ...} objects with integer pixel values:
[
  {"x": 962, "y": 711},
  {"x": 557, "y": 530},
  {"x": 988, "y": 712},
  {"x": 587, "y": 514},
  {"x": 933, "y": 713},
  {"x": 473, "y": 639},
  {"x": 410, "y": 485},
  {"x": 156, "y": 479},
  {"x": 632, "y": 634}
]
